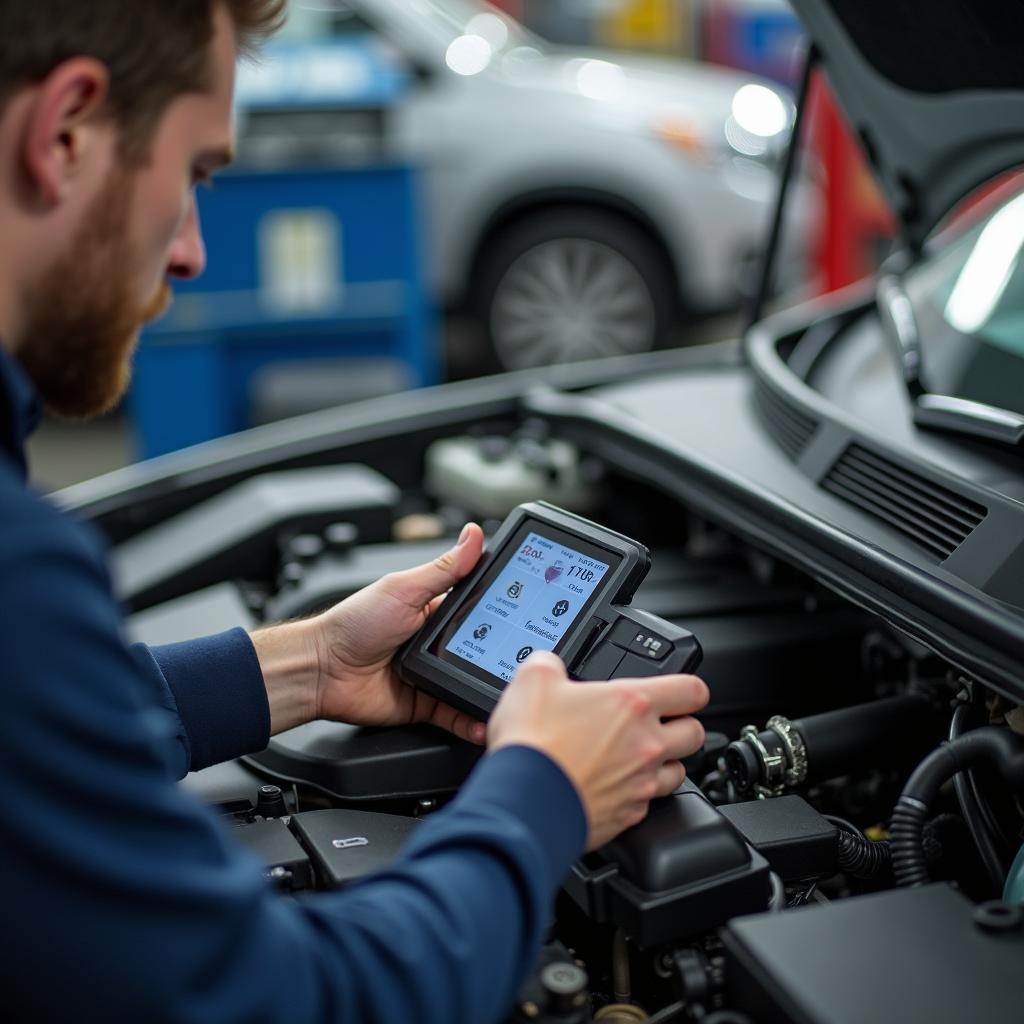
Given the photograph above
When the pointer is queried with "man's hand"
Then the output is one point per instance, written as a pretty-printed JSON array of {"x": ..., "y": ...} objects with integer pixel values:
[
  {"x": 619, "y": 742},
  {"x": 357, "y": 639},
  {"x": 338, "y": 664}
]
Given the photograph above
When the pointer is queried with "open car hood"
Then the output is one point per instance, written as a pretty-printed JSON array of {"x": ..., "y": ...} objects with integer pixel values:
[{"x": 934, "y": 91}]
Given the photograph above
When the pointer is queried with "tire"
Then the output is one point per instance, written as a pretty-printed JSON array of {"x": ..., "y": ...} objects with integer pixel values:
[{"x": 573, "y": 283}]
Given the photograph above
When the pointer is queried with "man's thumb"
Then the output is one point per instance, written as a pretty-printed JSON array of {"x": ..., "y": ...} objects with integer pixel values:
[{"x": 419, "y": 586}]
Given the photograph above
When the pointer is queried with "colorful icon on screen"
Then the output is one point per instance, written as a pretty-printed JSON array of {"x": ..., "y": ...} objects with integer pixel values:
[{"x": 552, "y": 572}]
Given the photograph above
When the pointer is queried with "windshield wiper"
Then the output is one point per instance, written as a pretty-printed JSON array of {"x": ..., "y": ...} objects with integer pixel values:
[
  {"x": 899, "y": 323},
  {"x": 945, "y": 412},
  {"x": 936, "y": 412}
]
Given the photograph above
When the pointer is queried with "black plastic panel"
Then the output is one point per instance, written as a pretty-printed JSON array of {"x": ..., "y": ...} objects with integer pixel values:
[
  {"x": 793, "y": 837},
  {"x": 287, "y": 862},
  {"x": 334, "y": 577},
  {"x": 681, "y": 872},
  {"x": 683, "y": 841},
  {"x": 236, "y": 533},
  {"x": 346, "y": 844},
  {"x": 935, "y": 92},
  {"x": 930, "y": 514},
  {"x": 891, "y": 958},
  {"x": 791, "y": 427},
  {"x": 961, "y": 44},
  {"x": 356, "y": 764}
]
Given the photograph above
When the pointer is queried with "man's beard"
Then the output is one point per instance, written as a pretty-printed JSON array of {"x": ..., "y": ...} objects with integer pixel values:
[{"x": 83, "y": 318}]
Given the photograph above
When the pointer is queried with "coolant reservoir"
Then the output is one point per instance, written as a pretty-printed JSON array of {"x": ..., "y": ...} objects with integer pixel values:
[{"x": 489, "y": 476}]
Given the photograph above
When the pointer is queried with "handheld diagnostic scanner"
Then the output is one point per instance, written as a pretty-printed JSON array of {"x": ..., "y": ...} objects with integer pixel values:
[{"x": 547, "y": 581}]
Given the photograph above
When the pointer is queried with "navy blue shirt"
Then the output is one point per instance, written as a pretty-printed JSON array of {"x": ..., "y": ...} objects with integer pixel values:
[{"x": 125, "y": 900}]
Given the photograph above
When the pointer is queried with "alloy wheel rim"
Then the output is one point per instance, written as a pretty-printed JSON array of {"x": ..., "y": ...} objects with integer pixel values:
[{"x": 570, "y": 299}]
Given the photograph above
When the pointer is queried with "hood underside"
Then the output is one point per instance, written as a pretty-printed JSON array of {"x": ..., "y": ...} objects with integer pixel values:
[{"x": 934, "y": 91}]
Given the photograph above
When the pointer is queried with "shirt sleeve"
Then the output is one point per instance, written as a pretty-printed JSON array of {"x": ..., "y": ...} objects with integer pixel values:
[
  {"x": 131, "y": 902},
  {"x": 215, "y": 686}
]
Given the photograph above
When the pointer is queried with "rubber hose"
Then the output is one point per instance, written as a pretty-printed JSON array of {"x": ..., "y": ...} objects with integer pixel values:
[
  {"x": 971, "y": 808},
  {"x": 669, "y": 1014},
  {"x": 997, "y": 747},
  {"x": 864, "y": 858},
  {"x": 620, "y": 968},
  {"x": 908, "y": 860}
]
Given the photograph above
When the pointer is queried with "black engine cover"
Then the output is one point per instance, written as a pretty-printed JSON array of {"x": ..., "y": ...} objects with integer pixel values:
[{"x": 900, "y": 956}]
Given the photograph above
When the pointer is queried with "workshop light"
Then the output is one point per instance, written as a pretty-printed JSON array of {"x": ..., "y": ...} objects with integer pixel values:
[
  {"x": 490, "y": 27},
  {"x": 599, "y": 79},
  {"x": 760, "y": 111},
  {"x": 469, "y": 55}
]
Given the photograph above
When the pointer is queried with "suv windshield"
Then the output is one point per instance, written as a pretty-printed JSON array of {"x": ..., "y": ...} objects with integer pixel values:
[{"x": 968, "y": 299}]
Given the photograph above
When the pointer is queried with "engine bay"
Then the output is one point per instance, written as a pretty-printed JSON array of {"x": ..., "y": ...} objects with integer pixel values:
[{"x": 827, "y": 855}]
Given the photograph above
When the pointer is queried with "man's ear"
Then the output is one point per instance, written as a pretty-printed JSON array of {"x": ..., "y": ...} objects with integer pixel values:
[{"x": 64, "y": 128}]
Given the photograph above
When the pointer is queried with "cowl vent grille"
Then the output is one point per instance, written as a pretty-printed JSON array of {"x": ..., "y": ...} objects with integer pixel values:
[
  {"x": 933, "y": 516},
  {"x": 790, "y": 427}
]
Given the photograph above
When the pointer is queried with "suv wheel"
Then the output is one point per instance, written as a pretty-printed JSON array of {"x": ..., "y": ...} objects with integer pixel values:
[{"x": 572, "y": 284}]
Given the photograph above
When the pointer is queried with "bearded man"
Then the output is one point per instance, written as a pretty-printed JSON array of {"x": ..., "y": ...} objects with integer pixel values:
[{"x": 126, "y": 900}]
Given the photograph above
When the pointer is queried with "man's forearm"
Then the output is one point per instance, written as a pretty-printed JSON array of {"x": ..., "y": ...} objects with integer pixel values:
[{"x": 288, "y": 659}]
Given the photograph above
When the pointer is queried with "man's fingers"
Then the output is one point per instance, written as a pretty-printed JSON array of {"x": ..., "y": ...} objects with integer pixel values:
[
  {"x": 674, "y": 695},
  {"x": 542, "y": 663},
  {"x": 417, "y": 587},
  {"x": 459, "y": 724},
  {"x": 683, "y": 736},
  {"x": 670, "y": 777}
]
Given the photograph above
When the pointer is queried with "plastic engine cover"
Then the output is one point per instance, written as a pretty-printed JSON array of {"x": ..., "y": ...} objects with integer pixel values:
[
  {"x": 683, "y": 871},
  {"x": 921, "y": 954}
]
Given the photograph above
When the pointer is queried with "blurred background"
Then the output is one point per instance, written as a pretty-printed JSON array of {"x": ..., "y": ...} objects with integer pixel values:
[{"x": 431, "y": 190}]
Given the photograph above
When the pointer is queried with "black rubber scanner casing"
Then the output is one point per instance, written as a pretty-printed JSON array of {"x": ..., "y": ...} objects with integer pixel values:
[
  {"x": 682, "y": 872},
  {"x": 603, "y": 644}
]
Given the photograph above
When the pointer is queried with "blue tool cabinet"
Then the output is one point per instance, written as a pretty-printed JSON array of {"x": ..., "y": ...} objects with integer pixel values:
[{"x": 304, "y": 264}]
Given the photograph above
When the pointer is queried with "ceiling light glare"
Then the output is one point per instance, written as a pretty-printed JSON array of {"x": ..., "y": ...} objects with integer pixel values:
[
  {"x": 599, "y": 79},
  {"x": 760, "y": 111},
  {"x": 469, "y": 55},
  {"x": 490, "y": 27}
]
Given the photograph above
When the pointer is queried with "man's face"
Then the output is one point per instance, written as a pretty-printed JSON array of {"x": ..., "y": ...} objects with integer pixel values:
[{"x": 86, "y": 311}]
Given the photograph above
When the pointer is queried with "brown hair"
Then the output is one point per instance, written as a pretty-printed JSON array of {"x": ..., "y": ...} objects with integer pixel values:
[{"x": 154, "y": 50}]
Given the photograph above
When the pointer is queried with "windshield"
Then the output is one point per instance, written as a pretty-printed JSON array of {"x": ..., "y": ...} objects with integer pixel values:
[{"x": 968, "y": 298}]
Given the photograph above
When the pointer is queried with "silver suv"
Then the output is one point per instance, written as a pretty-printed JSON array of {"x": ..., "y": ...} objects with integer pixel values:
[{"x": 578, "y": 201}]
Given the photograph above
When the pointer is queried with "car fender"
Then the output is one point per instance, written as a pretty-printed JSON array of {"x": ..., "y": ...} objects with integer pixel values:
[{"x": 493, "y": 195}]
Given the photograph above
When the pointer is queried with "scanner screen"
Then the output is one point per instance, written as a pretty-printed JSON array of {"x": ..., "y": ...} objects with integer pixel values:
[{"x": 529, "y": 605}]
